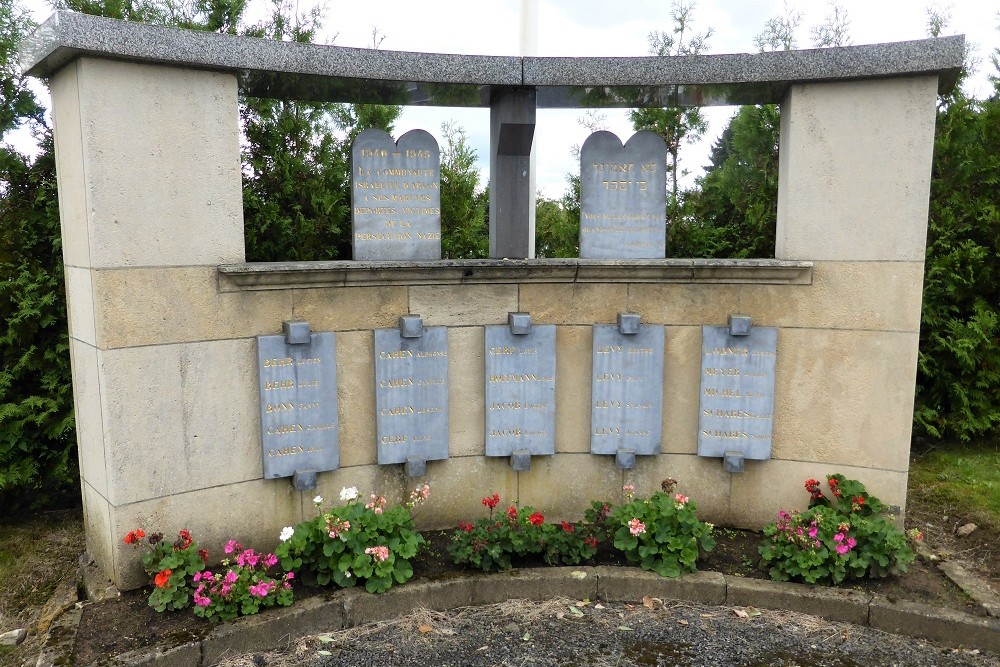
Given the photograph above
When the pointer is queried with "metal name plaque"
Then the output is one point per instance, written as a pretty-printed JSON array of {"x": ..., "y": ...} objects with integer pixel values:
[
  {"x": 737, "y": 392},
  {"x": 298, "y": 404},
  {"x": 627, "y": 390},
  {"x": 411, "y": 395},
  {"x": 395, "y": 196},
  {"x": 520, "y": 390},
  {"x": 623, "y": 197}
]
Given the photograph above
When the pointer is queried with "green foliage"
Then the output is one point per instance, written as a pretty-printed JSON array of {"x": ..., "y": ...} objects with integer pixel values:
[
  {"x": 465, "y": 233},
  {"x": 171, "y": 567},
  {"x": 244, "y": 589},
  {"x": 838, "y": 538},
  {"x": 961, "y": 480},
  {"x": 356, "y": 542},
  {"x": 661, "y": 533},
  {"x": 492, "y": 543},
  {"x": 557, "y": 223},
  {"x": 958, "y": 376},
  {"x": 37, "y": 465}
]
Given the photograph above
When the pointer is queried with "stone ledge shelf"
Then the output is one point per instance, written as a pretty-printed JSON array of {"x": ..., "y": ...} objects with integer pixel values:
[
  {"x": 290, "y": 275},
  {"x": 290, "y": 70}
]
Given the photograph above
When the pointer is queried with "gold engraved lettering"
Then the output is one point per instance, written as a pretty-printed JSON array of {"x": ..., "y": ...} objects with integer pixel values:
[
  {"x": 607, "y": 431},
  {"x": 284, "y": 451},
  {"x": 607, "y": 349},
  {"x": 727, "y": 435},
  {"x": 308, "y": 406},
  {"x": 640, "y": 350},
  {"x": 279, "y": 407},
  {"x": 274, "y": 363},
  {"x": 279, "y": 384},
  {"x": 516, "y": 405},
  {"x": 608, "y": 377},
  {"x": 309, "y": 361},
  {"x": 725, "y": 351},
  {"x": 638, "y": 406},
  {"x": 312, "y": 384},
  {"x": 395, "y": 412},
  {"x": 732, "y": 372},
  {"x": 432, "y": 353},
  {"x": 396, "y": 383},
  {"x": 392, "y": 439},
  {"x": 284, "y": 430},
  {"x": 501, "y": 350},
  {"x": 395, "y": 354},
  {"x": 607, "y": 404},
  {"x": 506, "y": 433}
]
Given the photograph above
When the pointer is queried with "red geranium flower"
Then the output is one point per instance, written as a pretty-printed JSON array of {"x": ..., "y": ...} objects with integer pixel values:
[
  {"x": 491, "y": 501},
  {"x": 185, "y": 540},
  {"x": 134, "y": 536},
  {"x": 467, "y": 527},
  {"x": 512, "y": 512},
  {"x": 203, "y": 555},
  {"x": 567, "y": 527},
  {"x": 537, "y": 518},
  {"x": 162, "y": 579},
  {"x": 590, "y": 541}
]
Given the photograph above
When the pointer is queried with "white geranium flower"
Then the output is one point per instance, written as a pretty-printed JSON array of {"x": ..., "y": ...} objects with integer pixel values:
[
  {"x": 318, "y": 500},
  {"x": 349, "y": 493},
  {"x": 286, "y": 533}
]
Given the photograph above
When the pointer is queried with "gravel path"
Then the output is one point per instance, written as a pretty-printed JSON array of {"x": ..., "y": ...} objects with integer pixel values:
[{"x": 566, "y": 632}]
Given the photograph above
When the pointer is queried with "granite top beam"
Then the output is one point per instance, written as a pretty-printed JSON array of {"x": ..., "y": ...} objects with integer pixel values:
[{"x": 290, "y": 70}]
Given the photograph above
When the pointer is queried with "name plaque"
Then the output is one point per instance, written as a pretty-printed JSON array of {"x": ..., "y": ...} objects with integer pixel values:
[
  {"x": 395, "y": 196},
  {"x": 520, "y": 390},
  {"x": 627, "y": 390},
  {"x": 736, "y": 410},
  {"x": 298, "y": 404},
  {"x": 411, "y": 395},
  {"x": 623, "y": 197}
]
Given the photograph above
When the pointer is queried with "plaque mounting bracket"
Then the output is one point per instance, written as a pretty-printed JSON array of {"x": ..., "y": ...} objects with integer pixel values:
[
  {"x": 411, "y": 326},
  {"x": 296, "y": 332},
  {"x": 625, "y": 458},
  {"x": 628, "y": 323},
  {"x": 304, "y": 479},
  {"x": 415, "y": 466},
  {"x": 740, "y": 325},
  {"x": 520, "y": 460},
  {"x": 732, "y": 462},
  {"x": 519, "y": 323}
]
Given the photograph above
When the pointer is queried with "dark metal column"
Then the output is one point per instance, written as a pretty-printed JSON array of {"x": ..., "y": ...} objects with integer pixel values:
[{"x": 512, "y": 129}]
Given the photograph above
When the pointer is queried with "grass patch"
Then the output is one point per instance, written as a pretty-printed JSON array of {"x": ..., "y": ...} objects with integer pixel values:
[{"x": 964, "y": 480}]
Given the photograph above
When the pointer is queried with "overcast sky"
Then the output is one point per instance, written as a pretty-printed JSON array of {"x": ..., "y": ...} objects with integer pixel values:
[{"x": 606, "y": 28}]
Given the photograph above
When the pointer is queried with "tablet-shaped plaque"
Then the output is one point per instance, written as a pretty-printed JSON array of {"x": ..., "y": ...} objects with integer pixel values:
[
  {"x": 623, "y": 197},
  {"x": 395, "y": 196},
  {"x": 520, "y": 390},
  {"x": 736, "y": 410},
  {"x": 298, "y": 404},
  {"x": 627, "y": 390},
  {"x": 411, "y": 395}
]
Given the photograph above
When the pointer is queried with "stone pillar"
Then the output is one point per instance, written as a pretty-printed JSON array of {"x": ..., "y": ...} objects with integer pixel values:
[
  {"x": 853, "y": 188},
  {"x": 150, "y": 198},
  {"x": 512, "y": 215}
]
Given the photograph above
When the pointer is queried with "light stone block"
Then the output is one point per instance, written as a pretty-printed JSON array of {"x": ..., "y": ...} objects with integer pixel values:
[
  {"x": 179, "y": 418},
  {"x": 562, "y": 486},
  {"x": 682, "y": 382},
  {"x": 159, "y": 143},
  {"x": 89, "y": 424},
  {"x": 464, "y": 305},
  {"x": 573, "y": 303},
  {"x": 252, "y": 513},
  {"x": 80, "y": 305},
  {"x": 102, "y": 542},
  {"x": 356, "y": 398},
  {"x": 854, "y": 169},
  {"x": 766, "y": 487},
  {"x": 466, "y": 398},
  {"x": 352, "y": 308},
  {"x": 74, "y": 221},
  {"x": 574, "y": 361},
  {"x": 845, "y": 397},
  {"x": 458, "y": 486},
  {"x": 699, "y": 478},
  {"x": 685, "y": 303},
  {"x": 181, "y": 304},
  {"x": 844, "y": 295}
]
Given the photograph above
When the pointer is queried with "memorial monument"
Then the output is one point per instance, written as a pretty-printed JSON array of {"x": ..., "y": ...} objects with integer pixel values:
[{"x": 173, "y": 423}]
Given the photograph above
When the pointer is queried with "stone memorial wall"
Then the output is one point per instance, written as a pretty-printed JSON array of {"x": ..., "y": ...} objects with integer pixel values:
[{"x": 395, "y": 196}]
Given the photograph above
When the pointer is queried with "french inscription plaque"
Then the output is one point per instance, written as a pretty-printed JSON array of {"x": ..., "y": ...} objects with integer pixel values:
[
  {"x": 627, "y": 390},
  {"x": 623, "y": 197},
  {"x": 520, "y": 390},
  {"x": 736, "y": 409},
  {"x": 411, "y": 395},
  {"x": 298, "y": 404},
  {"x": 395, "y": 196}
]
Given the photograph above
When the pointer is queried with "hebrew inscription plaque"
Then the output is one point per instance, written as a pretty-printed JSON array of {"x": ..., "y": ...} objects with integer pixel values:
[{"x": 623, "y": 195}]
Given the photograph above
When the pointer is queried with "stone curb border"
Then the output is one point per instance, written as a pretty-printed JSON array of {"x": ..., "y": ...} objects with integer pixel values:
[{"x": 351, "y": 607}]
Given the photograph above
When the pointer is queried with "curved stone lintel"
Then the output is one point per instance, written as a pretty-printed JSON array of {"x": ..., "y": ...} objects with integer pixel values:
[{"x": 269, "y": 68}]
